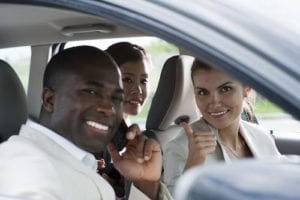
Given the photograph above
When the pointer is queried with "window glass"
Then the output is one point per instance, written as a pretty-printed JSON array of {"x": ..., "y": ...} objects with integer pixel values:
[
  {"x": 274, "y": 118},
  {"x": 19, "y": 59},
  {"x": 269, "y": 116}
]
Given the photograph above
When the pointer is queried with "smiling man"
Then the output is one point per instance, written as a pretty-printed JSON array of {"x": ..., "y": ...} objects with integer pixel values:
[{"x": 81, "y": 110}]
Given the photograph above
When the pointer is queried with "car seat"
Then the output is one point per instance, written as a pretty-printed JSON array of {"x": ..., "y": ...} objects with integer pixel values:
[
  {"x": 174, "y": 97},
  {"x": 13, "y": 104}
]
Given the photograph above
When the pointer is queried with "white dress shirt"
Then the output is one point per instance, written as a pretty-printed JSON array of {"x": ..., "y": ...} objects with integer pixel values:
[{"x": 83, "y": 156}]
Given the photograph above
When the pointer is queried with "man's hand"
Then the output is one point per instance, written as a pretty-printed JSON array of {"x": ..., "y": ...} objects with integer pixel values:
[
  {"x": 141, "y": 162},
  {"x": 200, "y": 144}
]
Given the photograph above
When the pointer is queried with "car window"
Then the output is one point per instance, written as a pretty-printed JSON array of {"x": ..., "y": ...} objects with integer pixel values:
[
  {"x": 273, "y": 118},
  {"x": 19, "y": 59}
]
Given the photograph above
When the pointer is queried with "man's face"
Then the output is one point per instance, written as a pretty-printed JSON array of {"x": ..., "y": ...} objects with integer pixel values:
[{"x": 87, "y": 107}]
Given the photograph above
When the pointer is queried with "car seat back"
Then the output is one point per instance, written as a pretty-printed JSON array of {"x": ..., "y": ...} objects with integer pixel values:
[
  {"x": 13, "y": 104},
  {"x": 174, "y": 97}
]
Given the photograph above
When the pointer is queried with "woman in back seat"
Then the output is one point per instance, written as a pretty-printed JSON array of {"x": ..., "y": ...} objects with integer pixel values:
[
  {"x": 220, "y": 134},
  {"x": 134, "y": 65}
]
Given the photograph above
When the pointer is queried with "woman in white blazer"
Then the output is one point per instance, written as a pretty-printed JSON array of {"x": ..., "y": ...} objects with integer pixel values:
[{"x": 220, "y": 135}]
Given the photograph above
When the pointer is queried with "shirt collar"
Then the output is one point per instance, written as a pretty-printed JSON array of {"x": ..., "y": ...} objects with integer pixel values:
[{"x": 83, "y": 156}]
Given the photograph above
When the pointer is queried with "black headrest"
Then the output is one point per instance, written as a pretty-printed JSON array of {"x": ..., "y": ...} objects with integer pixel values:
[{"x": 13, "y": 106}]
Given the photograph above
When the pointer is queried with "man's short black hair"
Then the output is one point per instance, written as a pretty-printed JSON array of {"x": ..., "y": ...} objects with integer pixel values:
[{"x": 69, "y": 60}]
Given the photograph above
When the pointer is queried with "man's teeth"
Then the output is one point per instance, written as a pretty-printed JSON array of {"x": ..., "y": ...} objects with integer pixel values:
[
  {"x": 218, "y": 113},
  {"x": 97, "y": 125}
]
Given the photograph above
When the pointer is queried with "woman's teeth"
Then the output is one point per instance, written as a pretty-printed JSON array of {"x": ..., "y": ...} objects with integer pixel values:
[{"x": 218, "y": 113}]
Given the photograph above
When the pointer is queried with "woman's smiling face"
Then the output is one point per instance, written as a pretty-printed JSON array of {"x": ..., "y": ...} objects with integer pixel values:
[
  {"x": 218, "y": 97},
  {"x": 135, "y": 83}
]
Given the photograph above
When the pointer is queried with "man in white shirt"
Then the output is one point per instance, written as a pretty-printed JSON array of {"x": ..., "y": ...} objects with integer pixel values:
[{"x": 82, "y": 109}]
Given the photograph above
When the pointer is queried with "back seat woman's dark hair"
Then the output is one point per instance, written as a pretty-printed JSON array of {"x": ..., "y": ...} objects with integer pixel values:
[{"x": 123, "y": 52}]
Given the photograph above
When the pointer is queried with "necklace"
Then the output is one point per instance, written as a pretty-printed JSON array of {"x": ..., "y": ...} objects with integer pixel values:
[{"x": 232, "y": 151}]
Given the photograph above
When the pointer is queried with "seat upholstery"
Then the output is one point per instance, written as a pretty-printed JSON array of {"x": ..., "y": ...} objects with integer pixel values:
[
  {"x": 13, "y": 104},
  {"x": 174, "y": 97}
]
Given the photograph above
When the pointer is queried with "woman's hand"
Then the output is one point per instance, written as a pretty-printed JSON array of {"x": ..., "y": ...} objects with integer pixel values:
[{"x": 201, "y": 143}]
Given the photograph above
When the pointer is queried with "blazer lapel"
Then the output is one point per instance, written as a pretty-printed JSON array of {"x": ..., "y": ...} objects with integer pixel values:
[{"x": 249, "y": 141}]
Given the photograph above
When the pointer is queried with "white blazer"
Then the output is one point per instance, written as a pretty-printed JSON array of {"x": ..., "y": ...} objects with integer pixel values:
[{"x": 33, "y": 166}]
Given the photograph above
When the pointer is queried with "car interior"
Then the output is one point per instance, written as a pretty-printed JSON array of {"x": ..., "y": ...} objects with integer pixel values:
[{"x": 46, "y": 30}]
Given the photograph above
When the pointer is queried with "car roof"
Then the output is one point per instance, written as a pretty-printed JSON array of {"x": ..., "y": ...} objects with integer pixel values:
[{"x": 23, "y": 25}]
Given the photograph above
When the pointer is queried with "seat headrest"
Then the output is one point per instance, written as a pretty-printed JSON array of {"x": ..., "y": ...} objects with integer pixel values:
[
  {"x": 174, "y": 95},
  {"x": 13, "y": 104}
]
